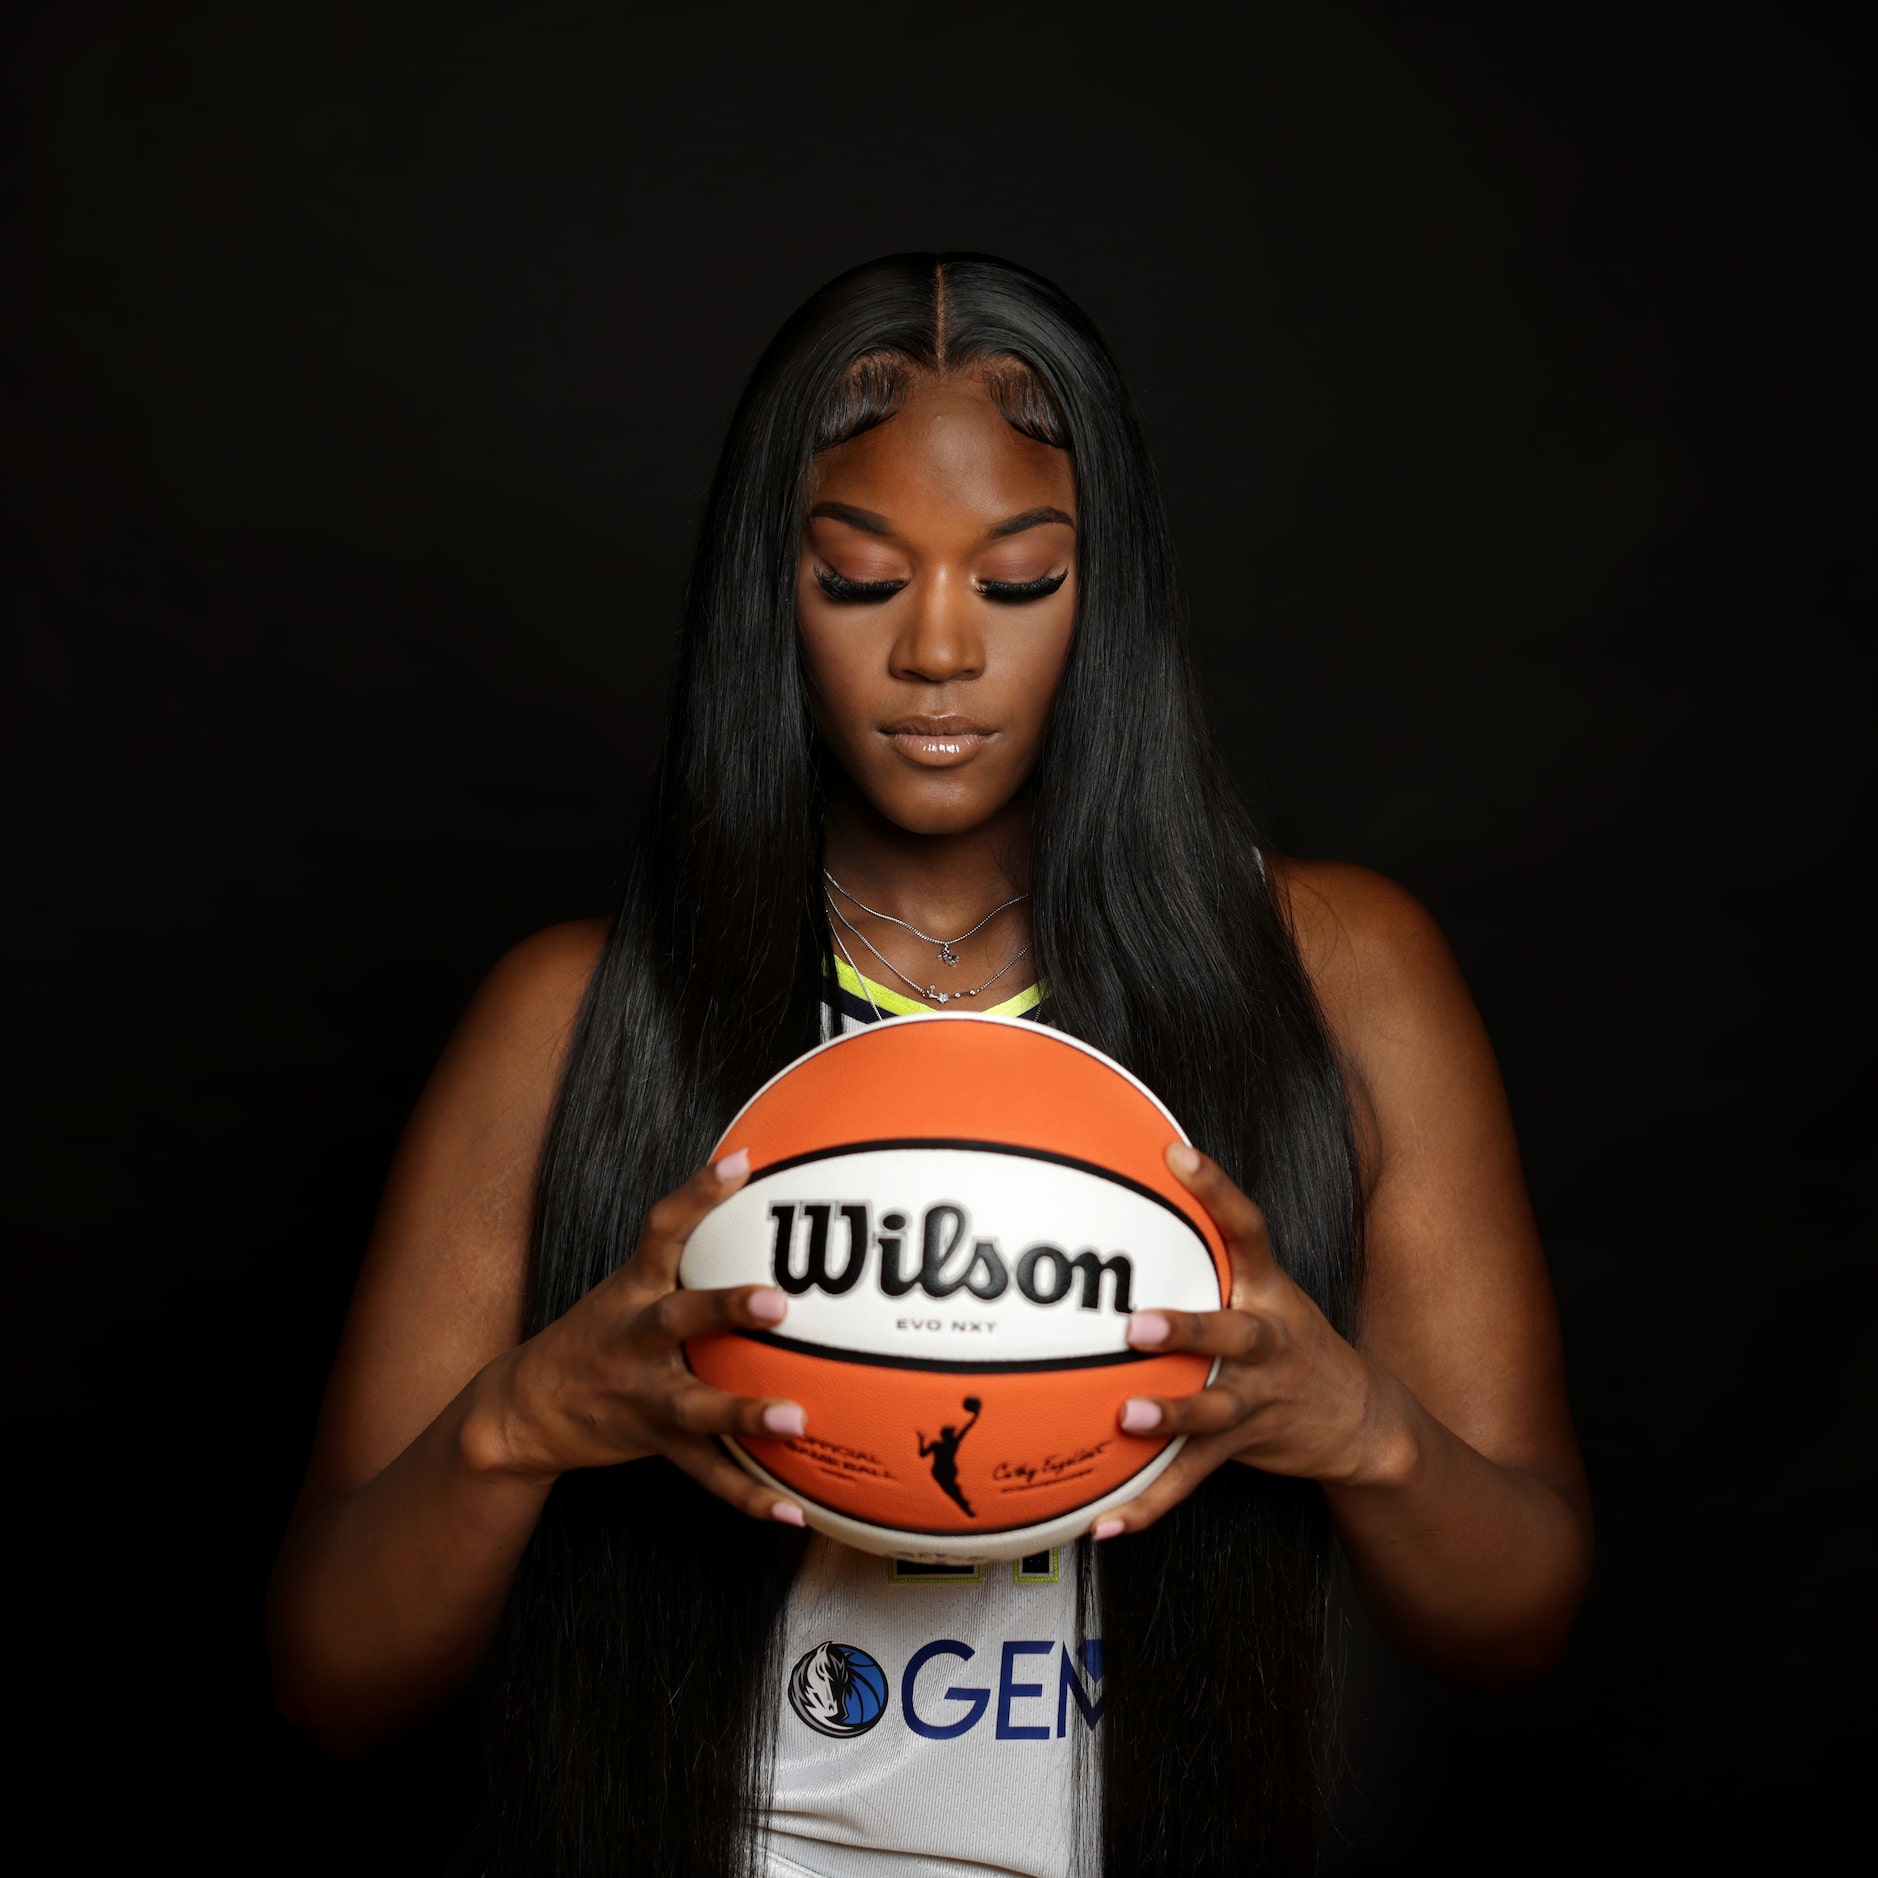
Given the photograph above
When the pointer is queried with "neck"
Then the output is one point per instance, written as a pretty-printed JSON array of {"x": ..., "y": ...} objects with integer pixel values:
[{"x": 940, "y": 882}]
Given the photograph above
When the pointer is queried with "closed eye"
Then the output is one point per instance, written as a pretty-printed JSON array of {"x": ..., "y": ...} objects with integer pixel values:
[
  {"x": 1016, "y": 592},
  {"x": 855, "y": 592}
]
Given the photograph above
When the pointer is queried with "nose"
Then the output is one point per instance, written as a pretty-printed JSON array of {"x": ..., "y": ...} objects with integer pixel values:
[{"x": 940, "y": 637}]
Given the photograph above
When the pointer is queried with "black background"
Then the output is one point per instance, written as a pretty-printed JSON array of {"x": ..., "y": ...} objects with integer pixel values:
[{"x": 371, "y": 364}]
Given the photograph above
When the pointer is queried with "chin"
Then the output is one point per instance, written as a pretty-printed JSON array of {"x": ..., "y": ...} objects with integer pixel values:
[
  {"x": 939, "y": 821},
  {"x": 939, "y": 811}
]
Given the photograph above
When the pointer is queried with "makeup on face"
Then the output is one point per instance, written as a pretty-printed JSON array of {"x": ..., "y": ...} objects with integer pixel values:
[
  {"x": 937, "y": 742},
  {"x": 855, "y": 561},
  {"x": 936, "y": 597},
  {"x": 845, "y": 590}
]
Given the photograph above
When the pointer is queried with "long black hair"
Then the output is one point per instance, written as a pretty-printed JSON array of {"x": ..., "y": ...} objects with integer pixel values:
[{"x": 634, "y": 1683}]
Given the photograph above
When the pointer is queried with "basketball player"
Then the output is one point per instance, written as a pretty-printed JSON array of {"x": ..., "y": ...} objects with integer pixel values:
[{"x": 935, "y": 744}]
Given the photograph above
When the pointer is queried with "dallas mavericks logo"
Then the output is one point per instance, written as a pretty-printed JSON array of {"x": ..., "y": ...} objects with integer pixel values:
[{"x": 838, "y": 1690}]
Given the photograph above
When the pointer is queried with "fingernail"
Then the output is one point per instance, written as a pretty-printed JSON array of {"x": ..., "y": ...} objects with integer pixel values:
[
  {"x": 768, "y": 1305},
  {"x": 1182, "y": 1159},
  {"x": 1107, "y": 1528},
  {"x": 734, "y": 1166},
  {"x": 1139, "y": 1415},
  {"x": 1148, "y": 1327},
  {"x": 785, "y": 1418},
  {"x": 789, "y": 1515}
]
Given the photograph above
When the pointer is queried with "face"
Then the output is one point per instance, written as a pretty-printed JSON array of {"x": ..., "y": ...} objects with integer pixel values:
[{"x": 936, "y": 594}]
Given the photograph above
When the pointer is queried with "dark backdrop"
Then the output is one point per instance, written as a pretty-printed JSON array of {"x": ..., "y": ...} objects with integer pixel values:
[{"x": 371, "y": 367}]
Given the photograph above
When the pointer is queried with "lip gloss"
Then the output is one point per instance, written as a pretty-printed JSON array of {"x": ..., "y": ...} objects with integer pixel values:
[
  {"x": 938, "y": 749},
  {"x": 937, "y": 740}
]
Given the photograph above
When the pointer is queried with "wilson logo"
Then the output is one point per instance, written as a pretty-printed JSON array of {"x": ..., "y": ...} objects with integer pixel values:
[{"x": 831, "y": 1245}]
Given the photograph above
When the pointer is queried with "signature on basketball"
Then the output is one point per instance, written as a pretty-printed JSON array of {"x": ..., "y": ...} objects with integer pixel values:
[{"x": 1049, "y": 1470}]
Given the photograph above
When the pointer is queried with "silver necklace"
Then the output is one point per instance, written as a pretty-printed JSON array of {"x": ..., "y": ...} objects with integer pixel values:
[
  {"x": 859, "y": 974},
  {"x": 941, "y": 998},
  {"x": 946, "y": 955}
]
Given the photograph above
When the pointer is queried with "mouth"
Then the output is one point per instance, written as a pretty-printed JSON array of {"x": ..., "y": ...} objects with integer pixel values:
[{"x": 938, "y": 742}]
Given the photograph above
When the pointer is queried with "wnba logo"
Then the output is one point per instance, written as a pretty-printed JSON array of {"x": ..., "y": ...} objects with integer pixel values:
[{"x": 838, "y": 1690}]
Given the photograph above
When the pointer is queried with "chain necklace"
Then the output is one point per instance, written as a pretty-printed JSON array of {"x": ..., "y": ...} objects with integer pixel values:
[
  {"x": 946, "y": 955},
  {"x": 856, "y": 970},
  {"x": 941, "y": 998}
]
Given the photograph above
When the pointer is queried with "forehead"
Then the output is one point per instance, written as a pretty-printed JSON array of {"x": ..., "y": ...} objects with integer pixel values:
[{"x": 947, "y": 453}]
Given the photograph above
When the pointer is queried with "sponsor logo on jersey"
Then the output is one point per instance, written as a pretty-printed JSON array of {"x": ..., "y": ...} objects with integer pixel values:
[
  {"x": 840, "y": 1690},
  {"x": 1019, "y": 1708}
]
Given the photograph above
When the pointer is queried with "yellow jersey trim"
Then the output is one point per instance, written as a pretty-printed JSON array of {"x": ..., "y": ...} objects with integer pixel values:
[{"x": 894, "y": 1004}]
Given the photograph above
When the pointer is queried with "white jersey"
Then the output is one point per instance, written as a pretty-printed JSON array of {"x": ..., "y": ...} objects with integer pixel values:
[
  {"x": 929, "y": 1713},
  {"x": 929, "y": 1716}
]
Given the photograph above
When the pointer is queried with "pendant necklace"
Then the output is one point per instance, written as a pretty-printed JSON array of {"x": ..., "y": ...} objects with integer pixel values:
[
  {"x": 946, "y": 954},
  {"x": 941, "y": 998}
]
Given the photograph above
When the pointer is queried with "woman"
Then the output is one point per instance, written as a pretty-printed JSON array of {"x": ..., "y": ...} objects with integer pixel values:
[{"x": 935, "y": 741}]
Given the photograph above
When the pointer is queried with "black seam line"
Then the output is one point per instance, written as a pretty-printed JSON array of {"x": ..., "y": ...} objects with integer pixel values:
[
  {"x": 983, "y": 1147},
  {"x": 798, "y": 1347}
]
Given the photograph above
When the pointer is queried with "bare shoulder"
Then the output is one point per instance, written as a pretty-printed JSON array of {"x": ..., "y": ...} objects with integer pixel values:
[
  {"x": 1392, "y": 995},
  {"x": 533, "y": 992},
  {"x": 1372, "y": 950},
  {"x": 497, "y": 1077},
  {"x": 475, "y": 1137}
]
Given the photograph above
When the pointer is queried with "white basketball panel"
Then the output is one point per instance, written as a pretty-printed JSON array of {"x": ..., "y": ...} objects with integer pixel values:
[{"x": 953, "y": 1280}]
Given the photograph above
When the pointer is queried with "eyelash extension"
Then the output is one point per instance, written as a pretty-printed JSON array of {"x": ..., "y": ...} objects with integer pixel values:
[
  {"x": 1005, "y": 592},
  {"x": 840, "y": 587},
  {"x": 1010, "y": 591}
]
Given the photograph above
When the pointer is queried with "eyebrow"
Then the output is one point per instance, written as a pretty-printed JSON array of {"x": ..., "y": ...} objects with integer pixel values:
[
  {"x": 870, "y": 523},
  {"x": 1031, "y": 518}
]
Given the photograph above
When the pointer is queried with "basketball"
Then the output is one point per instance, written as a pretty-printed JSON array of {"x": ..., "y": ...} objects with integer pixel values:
[{"x": 963, "y": 1212}]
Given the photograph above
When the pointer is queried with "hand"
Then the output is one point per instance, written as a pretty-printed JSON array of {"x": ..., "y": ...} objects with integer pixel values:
[
  {"x": 608, "y": 1382},
  {"x": 1291, "y": 1396}
]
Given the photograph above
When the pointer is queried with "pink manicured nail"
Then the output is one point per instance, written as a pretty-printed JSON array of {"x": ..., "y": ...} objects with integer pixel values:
[
  {"x": 1182, "y": 1159},
  {"x": 769, "y": 1305},
  {"x": 789, "y": 1515},
  {"x": 1148, "y": 1327},
  {"x": 1107, "y": 1528},
  {"x": 734, "y": 1166},
  {"x": 1139, "y": 1415},
  {"x": 785, "y": 1418}
]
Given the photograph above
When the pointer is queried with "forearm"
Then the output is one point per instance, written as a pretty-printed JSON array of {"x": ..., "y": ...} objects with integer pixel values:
[
  {"x": 383, "y": 1602},
  {"x": 1472, "y": 1567}
]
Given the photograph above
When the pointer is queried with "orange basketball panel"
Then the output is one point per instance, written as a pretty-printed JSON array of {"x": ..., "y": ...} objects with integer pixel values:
[{"x": 1042, "y": 1442}]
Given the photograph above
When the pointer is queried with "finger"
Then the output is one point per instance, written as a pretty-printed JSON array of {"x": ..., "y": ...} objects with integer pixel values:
[
  {"x": 1189, "y": 1467},
  {"x": 1241, "y": 1224},
  {"x": 675, "y": 1218},
  {"x": 695, "y": 1408},
  {"x": 710, "y": 1467},
  {"x": 1245, "y": 1336},
  {"x": 677, "y": 1316},
  {"x": 1206, "y": 1412}
]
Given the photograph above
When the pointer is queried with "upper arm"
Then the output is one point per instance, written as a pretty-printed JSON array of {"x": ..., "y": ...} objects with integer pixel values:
[
  {"x": 1457, "y": 1300},
  {"x": 441, "y": 1290}
]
